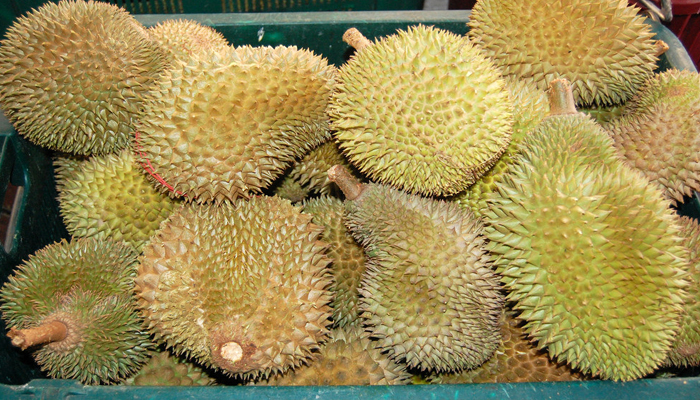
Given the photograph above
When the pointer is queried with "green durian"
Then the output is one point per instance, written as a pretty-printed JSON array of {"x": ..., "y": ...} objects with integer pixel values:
[
  {"x": 290, "y": 189},
  {"x": 224, "y": 126},
  {"x": 428, "y": 296},
  {"x": 109, "y": 196},
  {"x": 588, "y": 250},
  {"x": 604, "y": 115},
  {"x": 659, "y": 132},
  {"x": 685, "y": 351},
  {"x": 421, "y": 110},
  {"x": 73, "y": 301},
  {"x": 73, "y": 75},
  {"x": 165, "y": 369},
  {"x": 530, "y": 106},
  {"x": 183, "y": 38},
  {"x": 603, "y": 47},
  {"x": 240, "y": 287},
  {"x": 515, "y": 360},
  {"x": 347, "y": 256},
  {"x": 348, "y": 358}
]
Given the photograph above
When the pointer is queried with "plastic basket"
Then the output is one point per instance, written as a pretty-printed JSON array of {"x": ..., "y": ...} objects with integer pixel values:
[{"x": 38, "y": 223}]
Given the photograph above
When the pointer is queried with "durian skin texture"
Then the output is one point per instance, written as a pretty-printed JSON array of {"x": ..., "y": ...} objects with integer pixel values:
[
  {"x": 602, "y": 47},
  {"x": 349, "y": 358},
  {"x": 588, "y": 251},
  {"x": 165, "y": 369},
  {"x": 348, "y": 257},
  {"x": 183, "y": 39},
  {"x": 224, "y": 126},
  {"x": 686, "y": 347},
  {"x": 530, "y": 106},
  {"x": 73, "y": 76},
  {"x": 88, "y": 284},
  {"x": 659, "y": 132},
  {"x": 252, "y": 272},
  {"x": 110, "y": 196},
  {"x": 421, "y": 110},
  {"x": 515, "y": 360},
  {"x": 429, "y": 296}
]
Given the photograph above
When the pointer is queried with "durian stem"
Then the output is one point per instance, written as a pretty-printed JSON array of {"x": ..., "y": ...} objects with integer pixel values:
[
  {"x": 354, "y": 38},
  {"x": 351, "y": 187},
  {"x": 561, "y": 98},
  {"x": 660, "y": 47},
  {"x": 231, "y": 352},
  {"x": 54, "y": 331}
]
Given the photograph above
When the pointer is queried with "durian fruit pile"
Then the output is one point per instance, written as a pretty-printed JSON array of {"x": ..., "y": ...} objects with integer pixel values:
[{"x": 436, "y": 209}]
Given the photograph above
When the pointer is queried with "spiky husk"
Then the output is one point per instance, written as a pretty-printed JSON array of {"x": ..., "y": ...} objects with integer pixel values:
[
  {"x": 602, "y": 47},
  {"x": 348, "y": 257},
  {"x": 530, "y": 106},
  {"x": 686, "y": 347},
  {"x": 421, "y": 110},
  {"x": 165, "y": 369},
  {"x": 290, "y": 189},
  {"x": 251, "y": 275},
  {"x": 349, "y": 358},
  {"x": 515, "y": 360},
  {"x": 225, "y": 125},
  {"x": 86, "y": 284},
  {"x": 659, "y": 133},
  {"x": 73, "y": 75},
  {"x": 604, "y": 115},
  {"x": 429, "y": 296},
  {"x": 182, "y": 39},
  {"x": 109, "y": 196},
  {"x": 312, "y": 171},
  {"x": 589, "y": 252}
]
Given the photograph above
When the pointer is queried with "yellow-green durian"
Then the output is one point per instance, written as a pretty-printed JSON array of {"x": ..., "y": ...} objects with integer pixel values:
[
  {"x": 73, "y": 75},
  {"x": 347, "y": 256},
  {"x": 659, "y": 132},
  {"x": 312, "y": 170},
  {"x": 182, "y": 38},
  {"x": 110, "y": 196},
  {"x": 685, "y": 351},
  {"x": 224, "y": 126},
  {"x": 428, "y": 295},
  {"x": 422, "y": 110},
  {"x": 515, "y": 360},
  {"x": 78, "y": 294},
  {"x": 348, "y": 358},
  {"x": 603, "y": 47},
  {"x": 165, "y": 369},
  {"x": 530, "y": 106},
  {"x": 241, "y": 287},
  {"x": 588, "y": 250}
]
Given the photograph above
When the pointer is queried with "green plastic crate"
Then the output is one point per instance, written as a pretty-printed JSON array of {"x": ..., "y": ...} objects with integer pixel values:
[{"x": 38, "y": 223}]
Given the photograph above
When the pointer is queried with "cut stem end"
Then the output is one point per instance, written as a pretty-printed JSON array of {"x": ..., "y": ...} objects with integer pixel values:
[
  {"x": 354, "y": 38},
  {"x": 561, "y": 98},
  {"x": 351, "y": 187},
  {"x": 232, "y": 352},
  {"x": 50, "y": 332}
]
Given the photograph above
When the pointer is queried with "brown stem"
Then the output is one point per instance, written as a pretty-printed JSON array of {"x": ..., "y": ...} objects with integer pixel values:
[
  {"x": 350, "y": 186},
  {"x": 354, "y": 38},
  {"x": 660, "y": 47},
  {"x": 561, "y": 98},
  {"x": 53, "y": 331}
]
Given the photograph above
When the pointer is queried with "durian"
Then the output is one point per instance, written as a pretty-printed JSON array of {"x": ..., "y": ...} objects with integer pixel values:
[
  {"x": 165, "y": 369},
  {"x": 588, "y": 250},
  {"x": 74, "y": 301},
  {"x": 659, "y": 132},
  {"x": 530, "y": 106},
  {"x": 603, "y": 47},
  {"x": 73, "y": 75},
  {"x": 421, "y": 110},
  {"x": 515, "y": 360},
  {"x": 347, "y": 256},
  {"x": 241, "y": 287},
  {"x": 225, "y": 125},
  {"x": 349, "y": 358},
  {"x": 110, "y": 196},
  {"x": 182, "y": 39},
  {"x": 686, "y": 346},
  {"x": 429, "y": 296}
]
